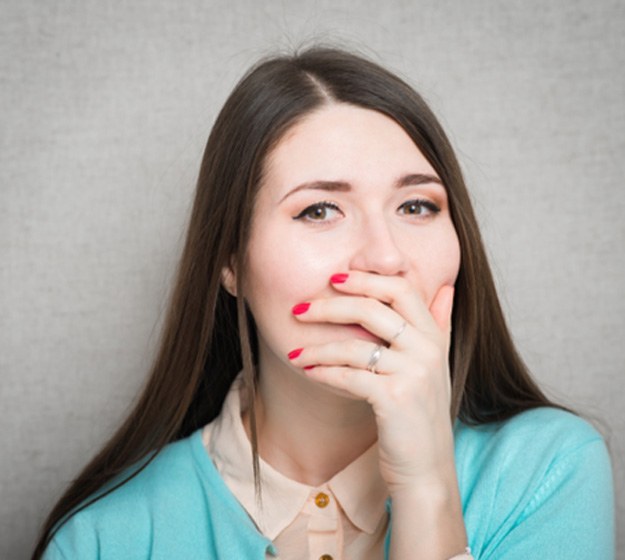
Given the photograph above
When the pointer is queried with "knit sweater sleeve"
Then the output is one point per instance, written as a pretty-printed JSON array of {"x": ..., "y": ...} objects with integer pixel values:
[
  {"x": 544, "y": 490},
  {"x": 570, "y": 514},
  {"x": 74, "y": 540}
]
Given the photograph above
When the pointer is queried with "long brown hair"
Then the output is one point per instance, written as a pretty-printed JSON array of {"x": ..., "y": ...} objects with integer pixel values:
[{"x": 209, "y": 336}]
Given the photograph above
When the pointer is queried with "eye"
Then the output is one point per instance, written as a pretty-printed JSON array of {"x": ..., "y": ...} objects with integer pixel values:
[
  {"x": 319, "y": 212},
  {"x": 419, "y": 207}
]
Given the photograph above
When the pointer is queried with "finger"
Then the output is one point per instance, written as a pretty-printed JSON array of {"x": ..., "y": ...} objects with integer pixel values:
[
  {"x": 395, "y": 291},
  {"x": 441, "y": 308},
  {"x": 359, "y": 383},
  {"x": 373, "y": 315},
  {"x": 353, "y": 353}
]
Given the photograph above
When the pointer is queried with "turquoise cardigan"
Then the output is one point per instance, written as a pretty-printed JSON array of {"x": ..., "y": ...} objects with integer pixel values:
[{"x": 536, "y": 486}]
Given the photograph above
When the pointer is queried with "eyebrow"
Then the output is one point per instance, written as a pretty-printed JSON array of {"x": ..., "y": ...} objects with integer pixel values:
[{"x": 411, "y": 179}]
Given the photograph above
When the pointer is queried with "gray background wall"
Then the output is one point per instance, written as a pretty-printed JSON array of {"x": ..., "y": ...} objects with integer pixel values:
[{"x": 105, "y": 110}]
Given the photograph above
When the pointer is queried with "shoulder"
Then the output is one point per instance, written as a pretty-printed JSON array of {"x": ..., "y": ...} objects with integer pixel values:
[
  {"x": 166, "y": 496},
  {"x": 170, "y": 473},
  {"x": 538, "y": 471},
  {"x": 549, "y": 430},
  {"x": 528, "y": 447},
  {"x": 176, "y": 507}
]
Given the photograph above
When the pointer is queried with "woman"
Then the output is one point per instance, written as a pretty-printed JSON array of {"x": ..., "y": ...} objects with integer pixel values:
[{"x": 334, "y": 355}]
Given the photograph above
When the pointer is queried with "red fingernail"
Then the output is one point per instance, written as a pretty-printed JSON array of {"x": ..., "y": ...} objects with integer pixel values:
[
  {"x": 295, "y": 353},
  {"x": 300, "y": 308},
  {"x": 309, "y": 367},
  {"x": 339, "y": 278}
]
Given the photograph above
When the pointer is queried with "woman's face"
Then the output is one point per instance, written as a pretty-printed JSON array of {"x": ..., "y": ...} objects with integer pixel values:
[{"x": 344, "y": 189}]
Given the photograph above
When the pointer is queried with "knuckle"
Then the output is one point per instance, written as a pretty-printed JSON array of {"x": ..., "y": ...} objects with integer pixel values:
[
  {"x": 401, "y": 392},
  {"x": 432, "y": 355}
]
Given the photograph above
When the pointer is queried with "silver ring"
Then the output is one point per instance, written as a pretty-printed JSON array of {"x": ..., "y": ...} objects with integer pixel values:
[
  {"x": 401, "y": 330},
  {"x": 374, "y": 358}
]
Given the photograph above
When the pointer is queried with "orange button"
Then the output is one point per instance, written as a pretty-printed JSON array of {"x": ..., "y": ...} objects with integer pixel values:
[
  {"x": 325, "y": 557},
  {"x": 322, "y": 500}
]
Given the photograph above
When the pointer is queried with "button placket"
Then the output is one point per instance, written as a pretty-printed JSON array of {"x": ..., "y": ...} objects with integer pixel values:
[{"x": 324, "y": 527}]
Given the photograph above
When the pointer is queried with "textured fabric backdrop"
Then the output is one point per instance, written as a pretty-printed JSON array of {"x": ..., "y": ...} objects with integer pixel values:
[{"x": 106, "y": 106}]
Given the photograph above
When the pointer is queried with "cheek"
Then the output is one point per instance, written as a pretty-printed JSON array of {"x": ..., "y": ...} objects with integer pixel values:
[
  {"x": 282, "y": 272},
  {"x": 453, "y": 258}
]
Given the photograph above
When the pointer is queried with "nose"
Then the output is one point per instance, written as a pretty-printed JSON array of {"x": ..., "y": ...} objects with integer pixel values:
[{"x": 378, "y": 250}]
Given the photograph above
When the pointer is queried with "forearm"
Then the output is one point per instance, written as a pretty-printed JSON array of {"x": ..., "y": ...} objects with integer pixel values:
[{"x": 427, "y": 521}]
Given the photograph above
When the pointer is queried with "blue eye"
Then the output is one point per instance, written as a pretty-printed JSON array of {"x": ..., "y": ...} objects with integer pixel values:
[
  {"x": 419, "y": 207},
  {"x": 319, "y": 212}
]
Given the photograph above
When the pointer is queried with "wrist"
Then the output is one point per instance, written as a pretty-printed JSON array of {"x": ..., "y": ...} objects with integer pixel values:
[
  {"x": 427, "y": 521},
  {"x": 439, "y": 486}
]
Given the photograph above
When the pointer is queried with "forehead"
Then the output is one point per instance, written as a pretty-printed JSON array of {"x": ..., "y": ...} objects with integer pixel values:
[{"x": 343, "y": 142}]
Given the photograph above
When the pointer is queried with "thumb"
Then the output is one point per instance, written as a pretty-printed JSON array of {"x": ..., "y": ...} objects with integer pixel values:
[{"x": 441, "y": 308}]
